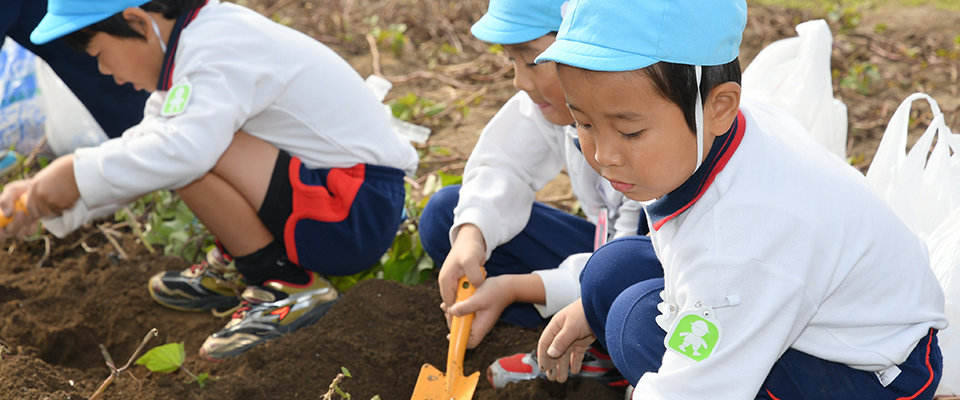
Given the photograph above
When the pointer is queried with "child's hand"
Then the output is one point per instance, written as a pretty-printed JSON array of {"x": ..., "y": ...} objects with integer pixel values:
[
  {"x": 466, "y": 257},
  {"x": 487, "y": 303},
  {"x": 22, "y": 224},
  {"x": 53, "y": 189},
  {"x": 563, "y": 342}
]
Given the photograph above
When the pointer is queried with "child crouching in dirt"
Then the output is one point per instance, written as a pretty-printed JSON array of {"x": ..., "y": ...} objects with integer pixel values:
[
  {"x": 785, "y": 275},
  {"x": 532, "y": 253},
  {"x": 273, "y": 141}
]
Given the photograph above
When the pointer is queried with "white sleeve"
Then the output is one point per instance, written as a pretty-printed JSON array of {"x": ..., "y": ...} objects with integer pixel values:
[
  {"x": 170, "y": 152},
  {"x": 628, "y": 219},
  {"x": 772, "y": 312},
  {"x": 517, "y": 154},
  {"x": 561, "y": 285},
  {"x": 76, "y": 216}
]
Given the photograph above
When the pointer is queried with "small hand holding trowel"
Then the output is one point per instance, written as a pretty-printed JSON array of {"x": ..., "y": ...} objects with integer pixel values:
[{"x": 433, "y": 384}]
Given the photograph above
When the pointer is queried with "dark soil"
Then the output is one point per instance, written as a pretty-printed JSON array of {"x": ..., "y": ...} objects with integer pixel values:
[{"x": 53, "y": 317}]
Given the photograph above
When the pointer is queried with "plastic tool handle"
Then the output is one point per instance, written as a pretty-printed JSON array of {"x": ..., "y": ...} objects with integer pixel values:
[
  {"x": 19, "y": 205},
  {"x": 459, "y": 333}
]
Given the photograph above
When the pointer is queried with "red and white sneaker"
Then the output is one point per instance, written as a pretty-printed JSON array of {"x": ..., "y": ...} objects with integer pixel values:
[{"x": 523, "y": 367}]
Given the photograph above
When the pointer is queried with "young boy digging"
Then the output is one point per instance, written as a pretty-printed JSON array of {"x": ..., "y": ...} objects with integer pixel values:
[
  {"x": 532, "y": 253},
  {"x": 270, "y": 138},
  {"x": 785, "y": 276}
]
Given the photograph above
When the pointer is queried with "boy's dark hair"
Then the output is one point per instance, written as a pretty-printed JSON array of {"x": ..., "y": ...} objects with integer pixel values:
[
  {"x": 117, "y": 26},
  {"x": 675, "y": 82}
]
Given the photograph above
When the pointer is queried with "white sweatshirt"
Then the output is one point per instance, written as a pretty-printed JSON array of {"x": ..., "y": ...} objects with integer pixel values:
[
  {"x": 519, "y": 152},
  {"x": 247, "y": 73},
  {"x": 791, "y": 248}
]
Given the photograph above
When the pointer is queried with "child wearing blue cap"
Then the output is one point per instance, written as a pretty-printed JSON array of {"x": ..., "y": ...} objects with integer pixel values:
[
  {"x": 532, "y": 253},
  {"x": 785, "y": 276},
  {"x": 273, "y": 141}
]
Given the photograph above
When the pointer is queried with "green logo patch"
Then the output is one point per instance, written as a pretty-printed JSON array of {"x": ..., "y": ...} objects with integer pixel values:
[
  {"x": 694, "y": 337},
  {"x": 177, "y": 98}
]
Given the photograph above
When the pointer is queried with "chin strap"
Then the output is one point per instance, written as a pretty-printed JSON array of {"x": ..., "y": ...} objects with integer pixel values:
[
  {"x": 163, "y": 46},
  {"x": 699, "y": 113}
]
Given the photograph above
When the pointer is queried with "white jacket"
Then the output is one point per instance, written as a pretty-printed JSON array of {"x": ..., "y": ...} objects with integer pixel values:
[
  {"x": 248, "y": 73},
  {"x": 791, "y": 248},
  {"x": 519, "y": 152}
]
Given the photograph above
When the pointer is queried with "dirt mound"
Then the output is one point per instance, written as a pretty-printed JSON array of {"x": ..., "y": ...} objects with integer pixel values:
[{"x": 53, "y": 317}]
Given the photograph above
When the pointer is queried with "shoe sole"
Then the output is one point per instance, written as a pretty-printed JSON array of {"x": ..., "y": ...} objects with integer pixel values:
[
  {"x": 307, "y": 319},
  {"x": 193, "y": 305}
]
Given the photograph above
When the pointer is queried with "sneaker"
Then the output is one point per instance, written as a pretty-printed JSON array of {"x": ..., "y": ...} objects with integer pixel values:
[
  {"x": 212, "y": 284},
  {"x": 522, "y": 367},
  {"x": 268, "y": 312}
]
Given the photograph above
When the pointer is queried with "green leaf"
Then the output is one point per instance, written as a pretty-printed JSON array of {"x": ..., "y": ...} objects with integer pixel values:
[
  {"x": 346, "y": 372},
  {"x": 203, "y": 378},
  {"x": 449, "y": 179},
  {"x": 166, "y": 358}
]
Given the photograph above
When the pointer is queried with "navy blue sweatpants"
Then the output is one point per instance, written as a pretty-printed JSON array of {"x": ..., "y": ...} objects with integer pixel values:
[
  {"x": 115, "y": 108},
  {"x": 549, "y": 238},
  {"x": 620, "y": 294}
]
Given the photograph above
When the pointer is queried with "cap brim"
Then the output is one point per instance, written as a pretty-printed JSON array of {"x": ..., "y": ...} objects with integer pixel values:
[
  {"x": 593, "y": 57},
  {"x": 494, "y": 30},
  {"x": 55, "y": 26}
]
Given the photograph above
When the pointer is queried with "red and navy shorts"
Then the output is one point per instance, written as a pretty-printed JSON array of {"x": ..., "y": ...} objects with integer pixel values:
[{"x": 336, "y": 221}]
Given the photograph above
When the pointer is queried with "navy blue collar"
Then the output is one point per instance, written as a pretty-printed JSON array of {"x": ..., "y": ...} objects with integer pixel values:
[
  {"x": 681, "y": 198},
  {"x": 166, "y": 71}
]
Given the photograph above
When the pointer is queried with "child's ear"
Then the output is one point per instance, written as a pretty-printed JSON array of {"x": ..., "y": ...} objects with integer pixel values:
[
  {"x": 725, "y": 103},
  {"x": 138, "y": 20}
]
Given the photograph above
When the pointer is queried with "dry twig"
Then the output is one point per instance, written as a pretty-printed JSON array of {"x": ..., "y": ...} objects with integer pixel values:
[
  {"x": 114, "y": 371},
  {"x": 108, "y": 233},
  {"x": 46, "y": 251}
]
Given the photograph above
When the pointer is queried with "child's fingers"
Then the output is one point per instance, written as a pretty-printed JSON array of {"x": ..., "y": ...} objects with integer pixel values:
[
  {"x": 483, "y": 323},
  {"x": 474, "y": 274},
  {"x": 467, "y": 306},
  {"x": 546, "y": 342},
  {"x": 450, "y": 273},
  {"x": 11, "y": 192}
]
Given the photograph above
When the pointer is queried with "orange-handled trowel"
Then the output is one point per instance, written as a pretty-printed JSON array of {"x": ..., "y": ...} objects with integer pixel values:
[
  {"x": 19, "y": 205},
  {"x": 433, "y": 384}
]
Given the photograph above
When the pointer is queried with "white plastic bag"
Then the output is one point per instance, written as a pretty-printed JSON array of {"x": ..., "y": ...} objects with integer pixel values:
[
  {"x": 922, "y": 191},
  {"x": 69, "y": 125},
  {"x": 21, "y": 110},
  {"x": 415, "y": 133},
  {"x": 945, "y": 260},
  {"x": 794, "y": 74},
  {"x": 36, "y": 103}
]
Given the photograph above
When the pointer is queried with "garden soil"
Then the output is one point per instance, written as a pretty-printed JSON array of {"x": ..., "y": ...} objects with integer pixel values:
[
  {"x": 60, "y": 299},
  {"x": 52, "y": 319}
]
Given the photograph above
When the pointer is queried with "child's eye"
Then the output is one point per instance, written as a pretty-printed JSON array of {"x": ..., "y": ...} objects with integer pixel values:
[
  {"x": 631, "y": 135},
  {"x": 583, "y": 126},
  {"x": 531, "y": 65}
]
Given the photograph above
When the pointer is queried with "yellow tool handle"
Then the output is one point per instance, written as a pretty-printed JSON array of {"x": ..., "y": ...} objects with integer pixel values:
[
  {"x": 459, "y": 334},
  {"x": 19, "y": 205}
]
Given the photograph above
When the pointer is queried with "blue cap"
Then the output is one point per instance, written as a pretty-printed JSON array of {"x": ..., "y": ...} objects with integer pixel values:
[
  {"x": 518, "y": 21},
  {"x": 68, "y": 16},
  {"x": 625, "y": 35}
]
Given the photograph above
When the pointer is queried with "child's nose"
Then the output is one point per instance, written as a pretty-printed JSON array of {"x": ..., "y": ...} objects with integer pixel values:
[
  {"x": 103, "y": 68},
  {"x": 608, "y": 151},
  {"x": 522, "y": 79}
]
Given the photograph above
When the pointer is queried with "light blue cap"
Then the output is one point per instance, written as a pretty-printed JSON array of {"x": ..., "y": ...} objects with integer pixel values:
[
  {"x": 518, "y": 21},
  {"x": 626, "y": 35},
  {"x": 68, "y": 16}
]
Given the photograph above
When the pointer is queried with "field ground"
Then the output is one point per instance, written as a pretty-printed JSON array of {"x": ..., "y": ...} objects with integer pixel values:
[{"x": 53, "y": 316}]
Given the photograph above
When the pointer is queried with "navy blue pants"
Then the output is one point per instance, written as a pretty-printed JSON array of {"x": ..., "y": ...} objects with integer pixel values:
[
  {"x": 115, "y": 108},
  {"x": 549, "y": 238},
  {"x": 620, "y": 296}
]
